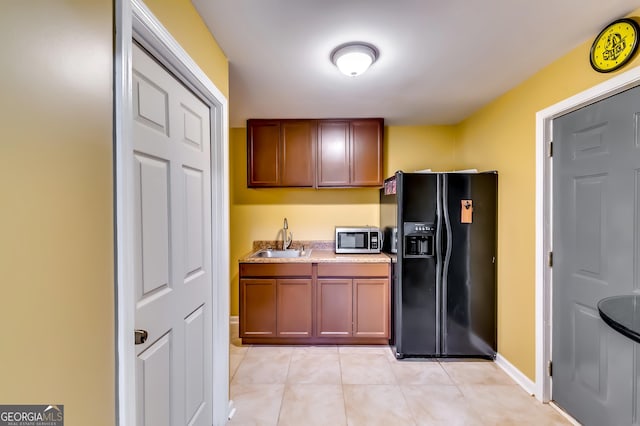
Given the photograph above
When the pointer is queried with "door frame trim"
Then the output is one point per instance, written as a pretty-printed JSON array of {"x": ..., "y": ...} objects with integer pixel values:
[
  {"x": 135, "y": 21},
  {"x": 544, "y": 225}
]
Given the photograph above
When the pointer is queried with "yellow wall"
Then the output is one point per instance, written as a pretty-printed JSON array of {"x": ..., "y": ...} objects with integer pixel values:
[
  {"x": 56, "y": 255},
  {"x": 257, "y": 214},
  {"x": 410, "y": 148},
  {"x": 56, "y": 221},
  {"x": 502, "y": 136},
  {"x": 184, "y": 23}
]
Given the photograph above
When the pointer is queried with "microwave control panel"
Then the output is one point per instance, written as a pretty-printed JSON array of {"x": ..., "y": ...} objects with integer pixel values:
[{"x": 373, "y": 242}]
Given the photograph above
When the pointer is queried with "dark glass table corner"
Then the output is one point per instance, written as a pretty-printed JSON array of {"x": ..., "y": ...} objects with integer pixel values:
[{"x": 622, "y": 313}]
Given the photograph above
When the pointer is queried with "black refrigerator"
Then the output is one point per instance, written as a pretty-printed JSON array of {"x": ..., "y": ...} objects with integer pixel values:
[{"x": 440, "y": 229}]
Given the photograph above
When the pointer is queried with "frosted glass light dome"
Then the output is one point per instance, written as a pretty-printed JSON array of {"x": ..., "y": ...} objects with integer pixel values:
[{"x": 353, "y": 59}]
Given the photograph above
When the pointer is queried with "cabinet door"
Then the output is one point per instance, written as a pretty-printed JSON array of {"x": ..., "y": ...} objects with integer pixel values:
[
  {"x": 263, "y": 153},
  {"x": 366, "y": 153},
  {"x": 257, "y": 308},
  {"x": 298, "y": 153},
  {"x": 334, "y": 307},
  {"x": 371, "y": 307},
  {"x": 333, "y": 153},
  {"x": 294, "y": 308}
]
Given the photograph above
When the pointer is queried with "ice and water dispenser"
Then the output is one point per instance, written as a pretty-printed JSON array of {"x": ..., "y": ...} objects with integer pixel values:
[{"x": 419, "y": 239}]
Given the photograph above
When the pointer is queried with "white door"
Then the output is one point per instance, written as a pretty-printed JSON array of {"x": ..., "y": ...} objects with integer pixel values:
[{"x": 173, "y": 280}]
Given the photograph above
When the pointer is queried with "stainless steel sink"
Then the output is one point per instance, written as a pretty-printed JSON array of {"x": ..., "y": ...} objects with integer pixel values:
[{"x": 281, "y": 253}]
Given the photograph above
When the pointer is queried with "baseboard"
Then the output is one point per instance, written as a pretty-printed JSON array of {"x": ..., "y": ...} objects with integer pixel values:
[
  {"x": 234, "y": 319},
  {"x": 231, "y": 410},
  {"x": 564, "y": 414},
  {"x": 526, "y": 383}
]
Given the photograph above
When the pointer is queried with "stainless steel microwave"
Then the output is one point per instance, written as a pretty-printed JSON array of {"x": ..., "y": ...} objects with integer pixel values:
[{"x": 358, "y": 239}]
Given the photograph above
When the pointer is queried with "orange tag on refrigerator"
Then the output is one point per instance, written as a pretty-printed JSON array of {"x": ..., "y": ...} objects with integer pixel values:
[{"x": 466, "y": 211}]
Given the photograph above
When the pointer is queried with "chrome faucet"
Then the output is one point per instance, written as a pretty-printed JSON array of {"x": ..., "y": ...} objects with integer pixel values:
[{"x": 287, "y": 236}]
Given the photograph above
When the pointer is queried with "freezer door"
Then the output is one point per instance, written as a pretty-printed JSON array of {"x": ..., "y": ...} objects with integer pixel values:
[
  {"x": 469, "y": 267},
  {"x": 417, "y": 197},
  {"x": 416, "y": 307}
]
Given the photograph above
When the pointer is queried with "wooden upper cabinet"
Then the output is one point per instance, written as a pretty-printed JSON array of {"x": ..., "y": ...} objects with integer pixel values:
[
  {"x": 314, "y": 153},
  {"x": 350, "y": 152},
  {"x": 263, "y": 153},
  {"x": 281, "y": 153},
  {"x": 298, "y": 153},
  {"x": 366, "y": 153},
  {"x": 333, "y": 153}
]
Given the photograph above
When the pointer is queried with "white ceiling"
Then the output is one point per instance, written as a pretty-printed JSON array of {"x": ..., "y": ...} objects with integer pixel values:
[{"x": 439, "y": 60}]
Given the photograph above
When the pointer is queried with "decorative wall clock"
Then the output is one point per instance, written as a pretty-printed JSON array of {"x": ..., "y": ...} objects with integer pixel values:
[{"x": 615, "y": 45}]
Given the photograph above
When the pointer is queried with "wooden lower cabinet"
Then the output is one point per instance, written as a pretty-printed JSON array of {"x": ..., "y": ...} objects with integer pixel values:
[
  {"x": 293, "y": 308},
  {"x": 353, "y": 301},
  {"x": 275, "y": 308},
  {"x": 258, "y": 318},
  {"x": 334, "y": 304},
  {"x": 276, "y": 301},
  {"x": 371, "y": 307},
  {"x": 353, "y": 307}
]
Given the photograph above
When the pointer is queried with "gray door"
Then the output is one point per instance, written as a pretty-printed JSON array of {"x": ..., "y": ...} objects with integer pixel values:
[{"x": 596, "y": 194}]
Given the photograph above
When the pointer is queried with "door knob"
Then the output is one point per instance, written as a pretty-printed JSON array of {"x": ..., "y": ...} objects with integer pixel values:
[{"x": 141, "y": 336}]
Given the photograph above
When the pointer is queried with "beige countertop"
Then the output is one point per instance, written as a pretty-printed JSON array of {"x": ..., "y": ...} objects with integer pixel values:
[{"x": 320, "y": 256}]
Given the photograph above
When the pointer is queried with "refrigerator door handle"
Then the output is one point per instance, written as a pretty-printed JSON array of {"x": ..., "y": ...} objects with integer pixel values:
[
  {"x": 438, "y": 229},
  {"x": 447, "y": 259},
  {"x": 438, "y": 258}
]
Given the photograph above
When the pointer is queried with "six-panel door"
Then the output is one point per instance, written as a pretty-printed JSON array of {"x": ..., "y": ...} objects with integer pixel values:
[
  {"x": 171, "y": 230},
  {"x": 596, "y": 241}
]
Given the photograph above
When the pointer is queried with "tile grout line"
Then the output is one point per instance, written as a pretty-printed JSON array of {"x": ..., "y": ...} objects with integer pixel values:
[
  {"x": 284, "y": 389},
  {"x": 414, "y": 416},
  {"x": 232, "y": 376},
  {"x": 400, "y": 387},
  {"x": 344, "y": 397}
]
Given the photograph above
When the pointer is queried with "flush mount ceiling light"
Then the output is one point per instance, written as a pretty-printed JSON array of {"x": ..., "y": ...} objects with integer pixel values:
[{"x": 353, "y": 59}]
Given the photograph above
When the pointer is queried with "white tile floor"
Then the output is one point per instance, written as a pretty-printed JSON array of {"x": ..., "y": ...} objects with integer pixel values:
[{"x": 355, "y": 385}]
